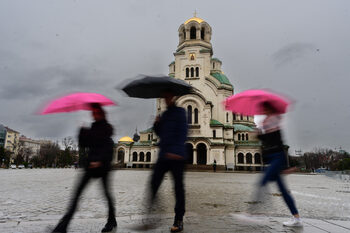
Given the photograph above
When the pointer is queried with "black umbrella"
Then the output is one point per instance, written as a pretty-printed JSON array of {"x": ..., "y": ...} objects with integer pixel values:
[{"x": 155, "y": 86}]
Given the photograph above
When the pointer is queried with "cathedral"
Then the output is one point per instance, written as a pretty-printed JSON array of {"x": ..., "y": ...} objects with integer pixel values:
[{"x": 214, "y": 134}]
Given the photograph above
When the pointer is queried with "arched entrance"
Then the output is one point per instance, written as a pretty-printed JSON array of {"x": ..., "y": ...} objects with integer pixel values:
[
  {"x": 120, "y": 157},
  {"x": 189, "y": 153},
  {"x": 201, "y": 154}
]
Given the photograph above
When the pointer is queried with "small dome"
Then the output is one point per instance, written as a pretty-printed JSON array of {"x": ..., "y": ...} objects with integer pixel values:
[
  {"x": 126, "y": 139},
  {"x": 198, "y": 20}
]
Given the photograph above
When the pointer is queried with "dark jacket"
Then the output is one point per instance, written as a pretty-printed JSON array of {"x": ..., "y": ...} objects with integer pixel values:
[
  {"x": 271, "y": 144},
  {"x": 172, "y": 131},
  {"x": 98, "y": 141}
]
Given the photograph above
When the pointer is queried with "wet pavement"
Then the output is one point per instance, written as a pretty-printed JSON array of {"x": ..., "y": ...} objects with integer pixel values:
[{"x": 34, "y": 200}]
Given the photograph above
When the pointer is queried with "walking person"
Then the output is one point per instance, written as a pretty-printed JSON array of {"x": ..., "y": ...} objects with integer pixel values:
[
  {"x": 171, "y": 128},
  {"x": 274, "y": 155},
  {"x": 100, "y": 144}
]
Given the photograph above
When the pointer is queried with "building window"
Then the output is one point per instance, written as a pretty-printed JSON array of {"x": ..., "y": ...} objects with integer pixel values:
[
  {"x": 249, "y": 158},
  {"x": 240, "y": 158},
  {"x": 242, "y": 137},
  {"x": 142, "y": 156},
  {"x": 213, "y": 65},
  {"x": 227, "y": 117},
  {"x": 148, "y": 157},
  {"x": 241, "y": 117},
  {"x": 192, "y": 72},
  {"x": 134, "y": 156},
  {"x": 196, "y": 116},
  {"x": 214, "y": 133},
  {"x": 193, "y": 32},
  {"x": 246, "y": 137},
  {"x": 234, "y": 116},
  {"x": 189, "y": 114},
  {"x": 239, "y": 137},
  {"x": 197, "y": 71},
  {"x": 257, "y": 158},
  {"x": 149, "y": 137},
  {"x": 187, "y": 72}
]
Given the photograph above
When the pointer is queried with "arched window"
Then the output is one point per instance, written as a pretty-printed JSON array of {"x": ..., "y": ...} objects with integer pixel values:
[
  {"x": 227, "y": 117},
  {"x": 239, "y": 137},
  {"x": 213, "y": 65},
  {"x": 148, "y": 157},
  {"x": 189, "y": 114},
  {"x": 184, "y": 32},
  {"x": 240, "y": 158},
  {"x": 202, "y": 33},
  {"x": 249, "y": 158},
  {"x": 196, "y": 116},
  {"x": 214, "y": 133},
  {"x": 187, "y": 72},
  {"x": 197, "y": 71},
  {"x": 192, "y": 72},
  {"x": 247, "y": 118},
  {"x": 193, "y": 33},
  {"x": 241, "y": 117},
  {"x": 242, "y": 137},
  {"x": 257, "y": 158},
  {"x": 149, "y": 137},
  {"x": 134, "y": 156},
  {"x": 234, "y": 116},
  {"x": 246, "y": 137},
  {"x": 142, "y": 156}
]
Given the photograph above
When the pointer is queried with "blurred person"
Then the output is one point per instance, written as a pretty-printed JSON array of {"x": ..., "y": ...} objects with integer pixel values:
[
  {"x": 100, "y": 153},
  {"x": 171, "y": 128},
  {"x": 274, "y": 155},
  {"x": 214, "y": 165}
]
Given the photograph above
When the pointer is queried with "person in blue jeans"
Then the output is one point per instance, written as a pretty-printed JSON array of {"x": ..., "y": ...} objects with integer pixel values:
[
  {"x": 274, "y": 155},
  {"x": 171, "y": 127}
]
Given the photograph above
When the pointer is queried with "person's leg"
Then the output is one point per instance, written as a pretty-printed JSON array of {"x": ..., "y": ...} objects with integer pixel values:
[
  {"x": 159, "y": 170},
  {"x": 64, "y": 222},
  {"x": 110, "y": 199},
  {"x": 177, "y": 170},
  {"x": 287, "y": 197},
  {"x": 111, "y": 223}
]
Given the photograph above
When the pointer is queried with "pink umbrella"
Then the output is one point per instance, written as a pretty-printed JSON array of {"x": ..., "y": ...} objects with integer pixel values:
[
  {"x": 75, "y": 102},
  {"x": 249, "y": 102}
]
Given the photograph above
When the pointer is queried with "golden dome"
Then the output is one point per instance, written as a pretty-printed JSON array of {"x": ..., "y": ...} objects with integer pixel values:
[
  {"x": 199, "y": 20},
  {"x": 126, "y": 139}
]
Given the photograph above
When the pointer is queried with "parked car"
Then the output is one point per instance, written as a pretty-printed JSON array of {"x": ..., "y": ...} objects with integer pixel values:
[
  {"x": 30, "y": 166},
  {"x": 13, "y": 166},
  {"x": 21, "y": 166}
]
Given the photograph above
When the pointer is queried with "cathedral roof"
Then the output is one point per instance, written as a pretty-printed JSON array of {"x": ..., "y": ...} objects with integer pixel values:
[
  {"x": 126, "y": 139},
  {"x": 214, "y": 122},
  {"x": 149, "y": 130},
  {"x": 221, "y": 78},
  {"x": 240, "y": 127},
  {"x": 198, "y": 20}
]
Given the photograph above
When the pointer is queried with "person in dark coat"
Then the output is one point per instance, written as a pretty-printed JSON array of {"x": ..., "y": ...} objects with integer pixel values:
[
  {"x": 171, "y": 128},
  {"x": 99, "y": 143},
  {"x": 214, "y": 165}
]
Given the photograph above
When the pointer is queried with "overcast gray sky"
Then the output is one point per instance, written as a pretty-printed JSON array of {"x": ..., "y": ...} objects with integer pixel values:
[{"x": 299, "y": 48}]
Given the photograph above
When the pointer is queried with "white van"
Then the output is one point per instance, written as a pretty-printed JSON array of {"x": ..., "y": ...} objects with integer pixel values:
[{"x": 13, "y": 166}]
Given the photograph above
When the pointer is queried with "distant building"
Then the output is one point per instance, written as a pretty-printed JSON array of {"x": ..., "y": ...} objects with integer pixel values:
[
  {"x": 12, "y": 140},
  {"x": 2, "y": 136},
  {"x": 30, "y": 146},
  {"x": 214, "y": 133}
]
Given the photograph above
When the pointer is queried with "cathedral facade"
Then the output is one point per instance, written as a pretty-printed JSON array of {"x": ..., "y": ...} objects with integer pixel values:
[{"x": 214, "y": 134}]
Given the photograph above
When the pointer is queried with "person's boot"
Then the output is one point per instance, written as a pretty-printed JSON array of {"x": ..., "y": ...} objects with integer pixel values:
[
  {"x": 110, "y": 225},
  {"x": 60, "y": 228},
  {"x": 177, "y": 226}
]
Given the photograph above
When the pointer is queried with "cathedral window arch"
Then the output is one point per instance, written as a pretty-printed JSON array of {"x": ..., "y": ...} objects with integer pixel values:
[
  {"x": 193, "y": 32},
  {"x": 227, "y": 117},
  {"x": 241, "y": 117},
  {"x": 246, "y": 137},
  {"x": 249, "y": 158},
  {"x": 234, "y": 116},
  {"x": 213, "y": 65},
  {"x": 257, "y": 158},
  {"x": 192, "y": 72},
  {"x": 148, "y": 157},
  {"x": 240, "y": 158},
  {"x": 187, "y": 72},
  {"x": 197, "y": 71},
  {"x": 239, "y": 137},
  {"x": 242, "y": 137},
  {"x": 134, "y": 156},
  {"x": 189, "y": 114},
  {"x": 214, "y": 133},
  {"x": 196, "y": 116},
  {"x": 142, "y": 156}
]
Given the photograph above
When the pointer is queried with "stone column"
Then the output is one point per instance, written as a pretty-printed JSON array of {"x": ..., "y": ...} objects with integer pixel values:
[
  {"x": 187, "y": 34},
  {"x": 194, "y": 156}
]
